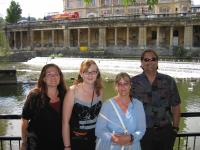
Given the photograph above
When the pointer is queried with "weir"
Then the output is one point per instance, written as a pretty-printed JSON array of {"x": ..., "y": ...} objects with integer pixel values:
[{"x": 179, "y": 69}]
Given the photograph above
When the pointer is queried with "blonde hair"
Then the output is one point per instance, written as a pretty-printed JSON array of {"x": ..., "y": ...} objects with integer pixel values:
[
  {"x": 125, "y": 76},
  {"x": 85, "y": 65}
]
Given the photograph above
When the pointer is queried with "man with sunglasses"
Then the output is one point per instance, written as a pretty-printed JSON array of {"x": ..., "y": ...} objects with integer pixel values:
[{"x": 161, "y": 101}]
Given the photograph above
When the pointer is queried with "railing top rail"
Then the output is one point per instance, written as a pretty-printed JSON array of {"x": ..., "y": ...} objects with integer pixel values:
[
  {"x": 190, "y": 114},
  {"x": 17, "y": 116},
  {"x": 189, "y": 134},
  {"x": 10, "y": 138},
  {"x": 14, "y": 116}
]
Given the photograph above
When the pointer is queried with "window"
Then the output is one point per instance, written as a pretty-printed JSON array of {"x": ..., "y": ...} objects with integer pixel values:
[
  {"x": 175, "y": 33},
  {"x": 79, "y": 3},
  {"x": 164, "y": 10},
  {"x": 107, "y": 2},
  {"x": 153, "y": 35},
  {"x": 93, "y": 3}
]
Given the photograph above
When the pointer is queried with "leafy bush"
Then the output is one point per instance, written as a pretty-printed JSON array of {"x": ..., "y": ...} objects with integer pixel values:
[
  {"x": 179, "y": 52},
  {"x": 56, "y": 55}
]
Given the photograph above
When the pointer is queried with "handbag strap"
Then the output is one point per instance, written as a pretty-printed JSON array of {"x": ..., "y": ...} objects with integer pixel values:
[{"x": 119, "y": 116}]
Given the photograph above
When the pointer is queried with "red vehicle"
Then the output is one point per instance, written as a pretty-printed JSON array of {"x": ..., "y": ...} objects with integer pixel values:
[{"x": 65, "y": 15}]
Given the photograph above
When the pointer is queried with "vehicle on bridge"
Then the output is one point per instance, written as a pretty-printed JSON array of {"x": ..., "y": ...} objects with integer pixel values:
[{"x": 62, "y": 16}]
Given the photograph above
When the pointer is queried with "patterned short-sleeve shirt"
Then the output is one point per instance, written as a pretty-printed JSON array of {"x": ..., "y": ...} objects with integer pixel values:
[{"x": 157, "y": 97}]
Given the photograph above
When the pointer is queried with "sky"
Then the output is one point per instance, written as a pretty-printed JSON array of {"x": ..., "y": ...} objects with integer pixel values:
[
  {"x": 33, "y": 8},
  {"x": 39, "y": 8}
]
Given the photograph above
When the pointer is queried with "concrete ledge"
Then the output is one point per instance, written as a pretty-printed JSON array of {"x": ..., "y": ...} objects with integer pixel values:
[{"x": 8, "y": 76}]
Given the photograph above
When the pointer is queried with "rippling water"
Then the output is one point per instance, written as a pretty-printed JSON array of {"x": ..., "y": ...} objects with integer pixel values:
[
  {"x": 12, "y": 97},
  {"x": 175, "y": 69}
]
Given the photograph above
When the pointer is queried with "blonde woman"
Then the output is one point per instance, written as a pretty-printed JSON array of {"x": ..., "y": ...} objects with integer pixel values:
[
  {"x": 121, "y": 122},
  {"x": 81, "y": 108}
]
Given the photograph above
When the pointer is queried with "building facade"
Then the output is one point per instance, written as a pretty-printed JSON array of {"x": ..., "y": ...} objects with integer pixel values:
[
  {"x": 104, "y": 8},
  {"x": 113, "y": 34}
]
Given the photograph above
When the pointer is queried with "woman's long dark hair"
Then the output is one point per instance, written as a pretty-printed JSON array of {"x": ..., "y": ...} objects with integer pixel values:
[{"x": 41, "y": 88}]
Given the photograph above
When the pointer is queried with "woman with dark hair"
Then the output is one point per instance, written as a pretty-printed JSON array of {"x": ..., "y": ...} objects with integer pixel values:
[
  {"x": 121, "y": 122},
  {"x": 81, "y": 108},
  {"x": 41, "y": 126}
]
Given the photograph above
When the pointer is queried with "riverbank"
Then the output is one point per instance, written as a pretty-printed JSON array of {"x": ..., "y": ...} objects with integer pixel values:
[{"x": 23, "y": 56}]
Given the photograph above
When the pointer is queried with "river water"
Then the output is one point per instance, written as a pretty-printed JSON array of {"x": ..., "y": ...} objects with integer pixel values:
[{"x": 12, "y": 97}]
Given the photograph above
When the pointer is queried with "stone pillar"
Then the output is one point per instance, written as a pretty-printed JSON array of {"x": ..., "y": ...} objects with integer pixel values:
[
  {"x": 142, "y": 37},
  {"x": 15, "y": 40},
  {"x": 53, "y": 38},
  {"x": 42, "y": 38},
  {"x": 158, "y": 37},
  {"x": 31, "y": 32},
  {"x": 28, "y": 40},
  {"x": 188, "y": 38},
  {"x": 78, "y": 37},
  {"x": 127, "y": 36},
  {"x": 21, "y": 39},
  {"x": 102, "y": 37},
  {"x": 115, "y": 36},
  {"x": 66, "y": 37},
  {"x": 171, "y": 37},
  {"x": 89, "y": 37}
]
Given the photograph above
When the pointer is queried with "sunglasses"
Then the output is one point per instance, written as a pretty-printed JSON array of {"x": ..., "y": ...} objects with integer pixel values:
[{"x": 149, "y": 59}]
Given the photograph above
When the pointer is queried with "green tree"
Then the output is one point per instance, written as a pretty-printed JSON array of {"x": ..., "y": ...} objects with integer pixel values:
[
  {"x": 151, "y": 3},
  {"x": 4, "y": 47},
  {"x": 13, "y": 12}
]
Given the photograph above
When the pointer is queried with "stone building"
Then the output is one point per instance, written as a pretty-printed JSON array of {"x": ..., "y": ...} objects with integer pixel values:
[
  {"x": 108, "y": 27},
  {"x": 104, "y": 8}
]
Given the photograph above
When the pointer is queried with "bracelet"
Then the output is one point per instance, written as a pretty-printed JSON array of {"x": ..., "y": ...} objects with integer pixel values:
[
  {"x": 67, "y": 146},
  {"x": 132, "y": 138}
]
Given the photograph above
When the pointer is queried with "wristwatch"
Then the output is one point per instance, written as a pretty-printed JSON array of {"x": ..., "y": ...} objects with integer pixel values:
[
  {"x": 131, "y": 138},
  {"x": 176, "y": 129}
]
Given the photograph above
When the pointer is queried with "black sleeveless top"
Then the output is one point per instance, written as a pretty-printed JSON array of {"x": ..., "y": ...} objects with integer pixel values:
[{"x": 84, "y": 115}]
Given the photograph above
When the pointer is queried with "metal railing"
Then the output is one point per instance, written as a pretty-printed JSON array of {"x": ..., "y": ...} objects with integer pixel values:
[{"x": 181, "y": 144}]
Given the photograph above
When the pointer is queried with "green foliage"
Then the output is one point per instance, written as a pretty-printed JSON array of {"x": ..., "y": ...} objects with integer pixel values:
[
  {"x": 179, "y": 52},
  {"x": 128, "y": 2},
  {"x": 4, "y": 47},
  {"x": 2, "y": 23},
  {"x": 87, "y": 1},
  {"x": 151, "y": 3},
  {"x": 56, "y": 55},
  {"x": 13, "y": 12}
]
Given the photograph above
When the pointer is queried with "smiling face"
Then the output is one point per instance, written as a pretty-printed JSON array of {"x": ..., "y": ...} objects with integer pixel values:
[
  {"x": 89, "y": 75},
  {"x": 123, "y": 84},
  {"x": 149, "y": 63},
  {"x": 52, "y": 77}
]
